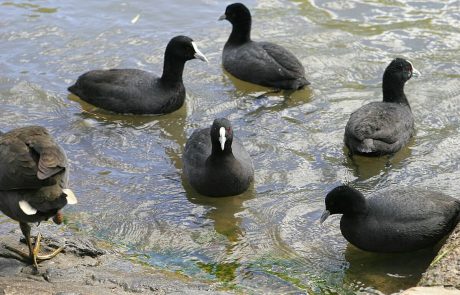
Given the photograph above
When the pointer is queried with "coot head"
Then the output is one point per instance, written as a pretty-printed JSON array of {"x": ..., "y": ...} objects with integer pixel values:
[
  {"x": 236, "y": 13},
  {"x": 221, "y": 135},
  {"x": 344, "y": 200},
  {"x": 183, "y": 48},
  {"x": 401, "y": 70},
  {"x": 397, "y": 73}
]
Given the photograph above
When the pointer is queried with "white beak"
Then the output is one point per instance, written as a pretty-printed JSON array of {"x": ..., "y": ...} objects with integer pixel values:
[
  {"x": 222, "y": 137},
  {"x": 198, "y": 53},
  {"x": 415, "y": 72}
]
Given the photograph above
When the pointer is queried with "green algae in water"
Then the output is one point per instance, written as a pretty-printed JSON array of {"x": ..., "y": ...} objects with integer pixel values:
[
  {"x": 302, "y": 278},
  {"x": 224, "y": 272},
  {"x": 46, "y": 10}
]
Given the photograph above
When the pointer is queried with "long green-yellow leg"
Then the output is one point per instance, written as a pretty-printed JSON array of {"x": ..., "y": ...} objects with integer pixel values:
[
  {"x": 43, "y": 257},
  {"x": 25, "y": 228},
  {"x": 33, "y": 251}
]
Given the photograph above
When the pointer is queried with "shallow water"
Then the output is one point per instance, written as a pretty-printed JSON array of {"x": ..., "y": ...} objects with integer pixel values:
[{"x": 126, "y": 170}]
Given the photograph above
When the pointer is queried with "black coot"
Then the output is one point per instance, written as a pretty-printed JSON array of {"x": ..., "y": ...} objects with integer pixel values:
[
  {"x": 133, "y": 91},
  {"x": 396, "y": 220},
  {"x": 33, "y": 181},
  {"x": 215, "y": 163},
  {"x": 380, "y": 128},
  {"x": 261, "y": 63}
]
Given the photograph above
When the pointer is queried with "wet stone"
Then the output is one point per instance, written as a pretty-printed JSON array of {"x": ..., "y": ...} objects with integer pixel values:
[
  {"x": 445, "y": 268},
  {"x": 10, "y": 267},
  {"x": 55, "y": 275},
  {"x": 76, "y": 272},
  {"x": 79, "y": 246}
]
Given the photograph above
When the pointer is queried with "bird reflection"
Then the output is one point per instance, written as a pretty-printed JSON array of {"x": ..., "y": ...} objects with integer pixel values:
[
  {"x": 267, "y": 98},
  {"x": 391, "y": 272},
  {"x": 223, "y": 211},
  {"x": 368, "y": 167}
]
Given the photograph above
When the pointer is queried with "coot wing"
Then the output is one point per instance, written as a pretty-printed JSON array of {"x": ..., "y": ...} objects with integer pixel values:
[
  {"x": 119, "y": 90},
  {"x": 197, "y": 149},
  {"x": 289, "y": 64},
  {"x": 418, "y": 209},
  {"x": 386, "y": 122},
  {"x": 242, "y": 156},
  {"x": 28, "y": 157}
]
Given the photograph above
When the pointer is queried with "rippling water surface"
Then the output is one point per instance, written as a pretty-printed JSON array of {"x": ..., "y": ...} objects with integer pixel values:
[{"x": 127, "y": 172}]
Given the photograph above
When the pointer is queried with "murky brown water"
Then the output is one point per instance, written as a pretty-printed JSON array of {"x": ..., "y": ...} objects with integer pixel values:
[{"x": 127, "y": 170}]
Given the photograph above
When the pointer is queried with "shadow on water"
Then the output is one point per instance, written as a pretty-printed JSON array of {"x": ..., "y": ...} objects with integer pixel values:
[
  {"x": 223, "y": 213},
  {"x": 367, "y": 167},
  {"x": 268, "y": 99},
  {"x": 402, "y": 270}
]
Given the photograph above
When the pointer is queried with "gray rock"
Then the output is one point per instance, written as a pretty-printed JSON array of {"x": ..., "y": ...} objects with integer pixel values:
[
  {"x": 10, "y": 267},
  {"x": 84, "y": 268},
  {"x": 445, "y": 268}
]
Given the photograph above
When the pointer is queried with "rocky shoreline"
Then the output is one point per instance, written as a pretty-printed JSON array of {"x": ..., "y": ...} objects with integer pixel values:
[
  {"x": 84, "y": 267},
  {"x": 443, "y": 275},
  {"x": 444, "y": 270}
]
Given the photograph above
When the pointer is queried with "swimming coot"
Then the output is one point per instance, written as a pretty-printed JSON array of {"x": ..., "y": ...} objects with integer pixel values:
[
  {"x": 395, "y": 220},
  {"x": 139, "y": 92},
  {"x": 33, "y": 182},
  {"x": 215, "y": 163},
  {"x": 261, "y": 63},
  {"x": 380, "y": 128}
]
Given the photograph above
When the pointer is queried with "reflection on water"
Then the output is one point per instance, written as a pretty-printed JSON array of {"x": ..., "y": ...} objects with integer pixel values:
[
  {"x": 366, "y": 268},
  {"x": 223, "y": 212},
  {"x": 127, "y": 170},
  {"x": 368, "y": 167},
  {"x": 31, "y": 7}
]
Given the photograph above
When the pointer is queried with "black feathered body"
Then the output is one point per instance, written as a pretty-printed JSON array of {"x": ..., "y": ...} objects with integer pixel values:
[
  {"x": 226, "y": 175},
  {"x": 265, "y": 64},
  {"x": 379, "y": 128},
  {"x": 33, "y": 167},
  {"x": 402, "y": 220},
  {"x": 129, "y": 91}
]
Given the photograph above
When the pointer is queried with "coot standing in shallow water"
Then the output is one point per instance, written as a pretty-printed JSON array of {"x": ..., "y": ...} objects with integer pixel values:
[
  {"x": 215, "y": 163},
  {"x": 395, "y": 220},
  {"x": 261, "y": 63},
  {"x": 133, "y": 91},
  {"x": 33, "y": 182},
  {"x": 380, "y": 128}
]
